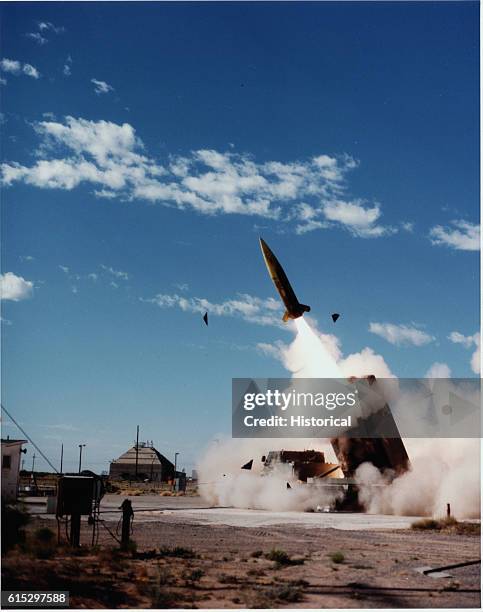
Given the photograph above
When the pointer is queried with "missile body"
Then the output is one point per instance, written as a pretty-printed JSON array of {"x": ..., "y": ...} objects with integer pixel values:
[{"x": 294, "y": 308}]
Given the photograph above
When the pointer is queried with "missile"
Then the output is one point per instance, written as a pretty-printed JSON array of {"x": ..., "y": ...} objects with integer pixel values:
[{"x": 294, "y": 308}]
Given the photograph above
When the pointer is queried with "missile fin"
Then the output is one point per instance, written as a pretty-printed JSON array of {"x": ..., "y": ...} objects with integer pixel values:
[{"x": 286, "y": 316}]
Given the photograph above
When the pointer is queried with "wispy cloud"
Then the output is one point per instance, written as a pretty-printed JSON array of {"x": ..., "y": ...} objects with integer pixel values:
[
  {"x": 67, "y": 69},
  {"x": 26, "y": 258},
  {"x": 247, "y": 307},
  {"x": 117, "y": 273},
  {"x": 400, "y": 334},
  {"x": 101, "y": 87},
  {"x": 461, "y": 235},
  {"x": 469, "y": 342},
  {"x": 37, "y": 36},
  {"x": 48, "y": 26},
  {"x": 15, "y": 288},
  {"x": 307, "y": 195},
  {"x": 17, "y": 68}
]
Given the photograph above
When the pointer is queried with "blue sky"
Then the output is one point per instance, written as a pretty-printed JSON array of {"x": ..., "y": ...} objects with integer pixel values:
[{"x": 145, "y": 148}]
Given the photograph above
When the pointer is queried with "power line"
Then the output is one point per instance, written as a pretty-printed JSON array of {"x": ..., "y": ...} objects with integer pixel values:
[{"x": 28, "y": 438}]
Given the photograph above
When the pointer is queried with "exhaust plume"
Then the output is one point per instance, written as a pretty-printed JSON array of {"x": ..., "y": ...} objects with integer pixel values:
[{"x": 442, "y": 471}]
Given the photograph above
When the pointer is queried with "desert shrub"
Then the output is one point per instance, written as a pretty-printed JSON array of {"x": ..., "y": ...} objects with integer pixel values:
[
  {"x": 337, "y": 557},
  {"x": 177, "y": 551},
  {"x": 228, "y": 579},
  {"x": 43, "y": 543},
  {"x": 256, "y": 554},
  {"x": 282, "y": 558},
  {"x": 193, "y": 575},
  {"x": 166, "y": 600},
  {"x": 14, "y": 520},
  {"x": 286, "y": 593},
  {"x": 112, "y": 558}
]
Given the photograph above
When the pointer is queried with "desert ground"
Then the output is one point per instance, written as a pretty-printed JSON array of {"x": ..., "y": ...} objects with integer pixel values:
[{"x": 187, "y": 555}]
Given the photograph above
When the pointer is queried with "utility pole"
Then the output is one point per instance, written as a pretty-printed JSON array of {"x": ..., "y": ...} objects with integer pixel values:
[
  {"x": 137, "y": 450},
  {"x": 174, "y": 477},
  {"x": 61, "y": 457},
  {"x": 81, "y": 446},
  {"x": 33, "y": 463}
]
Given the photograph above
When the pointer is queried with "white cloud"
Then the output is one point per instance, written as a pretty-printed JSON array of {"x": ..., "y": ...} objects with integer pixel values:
[
  {"x": 101, "y": 87},
  {"x": 93, "y": 276},
  {"x": 438, "y": 370},
  {"x": 247, "y": 307},
  {"x": 308, "y": 195},
  {"x": 400, "y": 334},
  {"x": 468, "y": 342},
  {"x": 11, "y": 66},
  {"x": 30, "y": 71},
  {"x": 37, "y": 36},
  {"x": 358, "y": 219},
  {"x": 64, "y": 269},
  {"x": 14, "y": 287},
  {"x": 15, "y": 67},
  {"x": 26, "y": 258},
  {"x": 463, "y": 236},
  {"x": 407, "y": 226},
  {"x": 274, "y": 350},
  {"x": 116, "y": 273},
  {"x": 182, "y": 286},
  {"x": 67, "y": 69},
  {"x": 48, "y": 26}
]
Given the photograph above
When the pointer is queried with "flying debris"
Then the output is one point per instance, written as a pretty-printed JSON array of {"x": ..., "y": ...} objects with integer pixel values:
[
  {"x": 335, "y": 316},
  {"x": 247, "y": 466},
  {"x": 294, "y": 308},
  {"x": 205, "y": 318},
  {"x": 288, "y": 485}
]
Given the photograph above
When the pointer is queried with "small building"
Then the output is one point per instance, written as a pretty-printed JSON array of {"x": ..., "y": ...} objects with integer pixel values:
[
  {"x": 11, "y": 453},
  {"x": 151, "y": 465}
]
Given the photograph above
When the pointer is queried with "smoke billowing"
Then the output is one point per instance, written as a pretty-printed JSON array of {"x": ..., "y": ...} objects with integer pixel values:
[{"x": 442, "y": 471}]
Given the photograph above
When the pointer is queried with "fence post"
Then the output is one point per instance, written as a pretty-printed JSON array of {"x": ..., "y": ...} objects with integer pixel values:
[{"x": 127, "y": 513}]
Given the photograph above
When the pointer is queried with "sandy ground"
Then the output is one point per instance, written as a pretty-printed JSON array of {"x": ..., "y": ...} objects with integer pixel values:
[{"x": 192, "y": 556}]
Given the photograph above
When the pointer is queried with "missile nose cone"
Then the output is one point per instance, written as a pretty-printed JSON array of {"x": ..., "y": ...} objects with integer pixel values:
[{"x": 264, "y": 246}]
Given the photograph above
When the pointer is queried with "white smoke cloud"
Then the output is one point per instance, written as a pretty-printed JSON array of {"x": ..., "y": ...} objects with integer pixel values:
[
  {"x": 442, "y": 471},
  {"x": 223, "y": 482}
]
